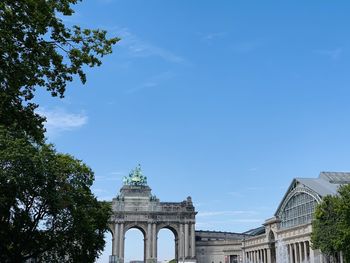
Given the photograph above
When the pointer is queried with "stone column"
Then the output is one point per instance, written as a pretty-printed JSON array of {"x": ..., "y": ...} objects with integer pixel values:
[
  {"x": 154, "y": 241},
  {"x": 121, "y": 242},
  {"x": 295, "y": 253},
  {"x": 181, "y": 242},
  {"x": 186, "y": 240},
  {"x": 263, "y": 256},
  {"x": 115, "y": 251},
  {"x": 300, "y": 252},
  {"x": 312, "y": 255},
  {"x": 305, "y": 251},
  {"x": 149, "y": 241},
  {"x": 290, "y": 250},
  {"x": 193, "y": 241},
  {"x": 268, "y": 255}
]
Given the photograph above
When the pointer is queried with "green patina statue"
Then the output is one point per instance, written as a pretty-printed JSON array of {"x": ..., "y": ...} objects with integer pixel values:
[{"x": 135, "y": 177}]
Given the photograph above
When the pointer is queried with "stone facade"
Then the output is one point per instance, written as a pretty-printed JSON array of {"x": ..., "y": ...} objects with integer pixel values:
[
  {"x": 136, "y": 207},
  {"x": 284, "y": 238},
  {"x": 220, "y": 247}
]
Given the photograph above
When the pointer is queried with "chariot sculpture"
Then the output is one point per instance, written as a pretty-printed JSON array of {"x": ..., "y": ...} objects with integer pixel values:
[{"x": 135, "y": 178}]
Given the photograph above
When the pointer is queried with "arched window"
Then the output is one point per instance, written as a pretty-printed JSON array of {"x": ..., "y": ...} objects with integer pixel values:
[{"x": 299, "y": 210}]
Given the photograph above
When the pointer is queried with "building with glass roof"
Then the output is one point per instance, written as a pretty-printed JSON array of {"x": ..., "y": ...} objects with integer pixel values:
[{"x": 283, "y": 238}]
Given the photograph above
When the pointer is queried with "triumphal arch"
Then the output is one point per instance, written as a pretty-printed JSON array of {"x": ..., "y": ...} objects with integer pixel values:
[{"x": 136, "y": 207}]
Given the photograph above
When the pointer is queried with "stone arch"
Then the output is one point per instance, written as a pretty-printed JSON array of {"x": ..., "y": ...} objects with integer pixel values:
[
  {"x": 136, "y": 207},
  {"x": 143, "y": 231},
  {"x": 133, "y": 225},
  {"x": 174, "y": 228}
]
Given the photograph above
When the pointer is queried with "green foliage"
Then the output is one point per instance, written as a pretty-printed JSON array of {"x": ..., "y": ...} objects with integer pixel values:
[
  {"x": 46, "y": 207},
  {"x": 38, "y": 50},
  {"x": 331, "y": 226},
  {"x": 47, "y": 210}
]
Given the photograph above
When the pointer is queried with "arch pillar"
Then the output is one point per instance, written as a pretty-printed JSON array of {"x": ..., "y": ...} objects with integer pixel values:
[
  {"x": 193, "y": 241},
  {"x": 118, "y": 244},
  {"x": 186, "y": 240}
]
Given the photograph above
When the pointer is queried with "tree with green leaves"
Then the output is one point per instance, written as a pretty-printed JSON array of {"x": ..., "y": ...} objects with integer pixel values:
[
  {"x": 39, "y": 50},
  {"x": 47, "y": 210},
  {"x": 331, "y": 225}
]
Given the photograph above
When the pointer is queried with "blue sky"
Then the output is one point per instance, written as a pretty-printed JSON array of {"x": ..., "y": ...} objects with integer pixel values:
[{"x": 226, "y": 101}]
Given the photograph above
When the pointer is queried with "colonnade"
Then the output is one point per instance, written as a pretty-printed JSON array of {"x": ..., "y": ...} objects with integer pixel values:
[
  {"x": 259, "y": 256},
  {"x": 297, "y": 252},
  {"x": 185, "y": 247}
]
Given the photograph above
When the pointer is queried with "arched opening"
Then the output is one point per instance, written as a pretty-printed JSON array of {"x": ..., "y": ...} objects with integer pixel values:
[
  {"x": 167, "y": 243},
  {"x": 134, "y": 246}
]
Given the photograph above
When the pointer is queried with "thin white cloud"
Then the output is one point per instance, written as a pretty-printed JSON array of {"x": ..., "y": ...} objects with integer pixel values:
[
  {"x": 235, "y": 194},
  {"x": 245, "y": 47},
  {"x": 331, "y": 53},
  {"x": 152, "y": 82},
  {"x": 141, "y": 48},
  {"x": 108, "y": 178},
  {"x": 254, "y": 188},
  {"x": 209, "y": 37},
  {"x": 59, "y": 120},
  {"x": 214, "y": 224},
  {"x": 225, "y": 213}
]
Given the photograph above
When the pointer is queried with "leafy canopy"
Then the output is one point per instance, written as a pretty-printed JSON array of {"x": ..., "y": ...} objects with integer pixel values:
[
  {"x": 47, "y": 210},
  {"x": 331, "y": 226},
  {"x": 46, "y": 207},
  {"x": 39, "y": 50}
]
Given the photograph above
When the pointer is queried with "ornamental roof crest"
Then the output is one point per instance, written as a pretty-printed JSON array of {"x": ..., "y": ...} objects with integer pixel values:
[{"x": 135, "y": 178}]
